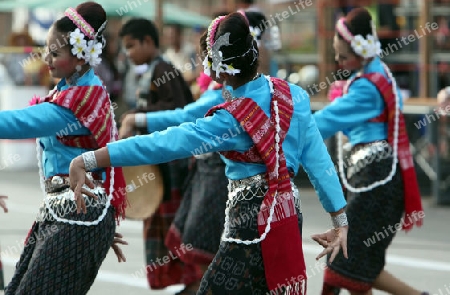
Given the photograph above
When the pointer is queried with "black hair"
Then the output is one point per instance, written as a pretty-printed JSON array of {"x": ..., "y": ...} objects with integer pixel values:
[
  {"x": 243, "y": 48},
  {"x": 358, "y": 22},
  {"x": 92, "y": 12},
  {"x": 219, "y": 13},
  {"x": 139, "y": 28}
]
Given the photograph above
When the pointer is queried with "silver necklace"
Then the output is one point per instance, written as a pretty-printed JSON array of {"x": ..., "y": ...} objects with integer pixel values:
[{"x": 226, "y": 94}]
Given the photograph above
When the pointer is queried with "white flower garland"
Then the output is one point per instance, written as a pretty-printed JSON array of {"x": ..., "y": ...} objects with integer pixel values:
[
  {"x": 395, "y": 145},
  {"x": 89, "y": 51}
]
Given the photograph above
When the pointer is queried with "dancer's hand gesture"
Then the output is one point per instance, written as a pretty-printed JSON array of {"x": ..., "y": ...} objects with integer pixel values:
[
  {"x": 3, "y": 203},
  {"x": 77, "y": 178},
  {"x": 118, "y": 239},
  {"x": 332, "y": 240}
]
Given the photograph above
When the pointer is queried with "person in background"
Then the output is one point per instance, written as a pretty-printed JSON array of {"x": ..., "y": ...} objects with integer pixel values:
[
  {"x": 160, "y": 87},
  {"x": 107, "y": 69},
  {"x": 180, "y": 53},
  {"x": 15, "y": 62},
  {"x": 380, "y": 179}
]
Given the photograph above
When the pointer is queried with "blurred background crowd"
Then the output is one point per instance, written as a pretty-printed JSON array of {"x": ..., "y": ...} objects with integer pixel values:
[{"x": 304, "y": 55}]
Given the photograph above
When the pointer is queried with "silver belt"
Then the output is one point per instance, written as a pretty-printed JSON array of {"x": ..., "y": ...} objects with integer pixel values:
[
  {"x": 58, "y": 183},
  {"x": 204, "y": 156},
  {"x": 61, "y": 198},
  {"x": 236, "y": 186},
  {"x": 255, "y": 180},
  {"x": 367, "y": 154}
]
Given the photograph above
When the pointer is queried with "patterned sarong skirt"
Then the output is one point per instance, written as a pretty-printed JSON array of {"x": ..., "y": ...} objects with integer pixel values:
[
  {"x": 199, "y": 221},
  {"x": 372, "y": 216},
  {"x": 63, "y": 258},
  {"x": 238, "y": 269}
]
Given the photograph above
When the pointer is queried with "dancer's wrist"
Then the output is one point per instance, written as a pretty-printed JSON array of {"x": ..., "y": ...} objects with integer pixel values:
[
  {"x": 89, "y": 161},
  {"x": 339, "y": 220}
]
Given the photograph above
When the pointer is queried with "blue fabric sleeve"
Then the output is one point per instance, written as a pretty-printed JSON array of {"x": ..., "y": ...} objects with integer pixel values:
[
  {"x": 161, "y": 120},
  {"x": 362, "y": 103},
  {"x": 317, "y": 163},
  {"x": 44, "y": 119},
  {"x": 179, "y": 142}
]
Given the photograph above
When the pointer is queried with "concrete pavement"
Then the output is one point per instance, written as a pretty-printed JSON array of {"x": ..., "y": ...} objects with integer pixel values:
[{"x": 420, "y": 257}]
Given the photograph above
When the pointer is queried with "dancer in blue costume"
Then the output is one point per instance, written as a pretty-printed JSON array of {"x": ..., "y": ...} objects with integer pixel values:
[
  {"x": 65, "y": 249},
  {"x": 261, "y": 247},
  {"x": 199, "y": 220},
  {"x": 380, "y": 180}
]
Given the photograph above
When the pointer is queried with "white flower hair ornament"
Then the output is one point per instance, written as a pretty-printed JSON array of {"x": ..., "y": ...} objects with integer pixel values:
[
  {"x": 217, "y": 57},
  {"x": 91, "y": 50},
  {"x": 256, "y": 33},
  {"x": 215, "y": 54},
  {"x": 78, "y": 43},
  {"x": 365, "y": 47}
]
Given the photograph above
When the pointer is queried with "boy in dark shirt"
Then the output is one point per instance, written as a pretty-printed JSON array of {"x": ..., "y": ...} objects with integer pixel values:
[{"x": 161, "y": 87}]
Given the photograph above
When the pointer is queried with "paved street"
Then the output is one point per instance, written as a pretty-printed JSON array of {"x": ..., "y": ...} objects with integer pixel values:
[{"x": 421, "y": 257}]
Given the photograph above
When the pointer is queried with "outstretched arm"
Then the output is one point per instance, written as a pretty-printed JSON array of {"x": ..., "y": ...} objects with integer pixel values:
[
  {"x": 317, "y": 163},
  {"x": 39, "y": 120},
  {"x": 161, "y": 120},
  {"x": 362, "y": 103},
  {"x": 210, "y": 134}
]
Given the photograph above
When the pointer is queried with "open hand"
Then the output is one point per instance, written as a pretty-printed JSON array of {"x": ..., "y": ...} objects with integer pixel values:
[
  {"x": 332, "y": 240},
  {"x": 77, "y": 178},
  {"x": 3, "y": 203},
  {"x": 118, "y": 239},
  {"x": 127, "y": 127}
]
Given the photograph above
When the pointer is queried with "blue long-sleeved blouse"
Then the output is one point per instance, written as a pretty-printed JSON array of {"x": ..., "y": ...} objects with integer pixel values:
[
  {"x": 157, "y": 121},
  {"x": 46, "y": 121},
  {"x": 351, "y": 112},
  {"x": 303, "y": 144}
]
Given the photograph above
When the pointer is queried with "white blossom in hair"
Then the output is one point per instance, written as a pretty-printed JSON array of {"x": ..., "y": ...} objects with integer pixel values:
[
  {"x": 78, "y": 43},
  {"x": 366, "y": 47},
  {"x": 93, "y": 51},
  {"x": 207, "y": 66},
  {"x": 255, "y": 32}
]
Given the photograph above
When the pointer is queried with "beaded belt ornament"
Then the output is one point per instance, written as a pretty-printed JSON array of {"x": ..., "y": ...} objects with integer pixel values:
[
  {"x": 60, "y": 198},
  {"x": 240, "y": 190}
]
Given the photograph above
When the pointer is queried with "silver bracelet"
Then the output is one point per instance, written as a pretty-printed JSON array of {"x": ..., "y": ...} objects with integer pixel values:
[
  {"x": 140, "y": 120},
  {"x": 339, "y": 220},
  {"x": 90, "y": 162}
]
